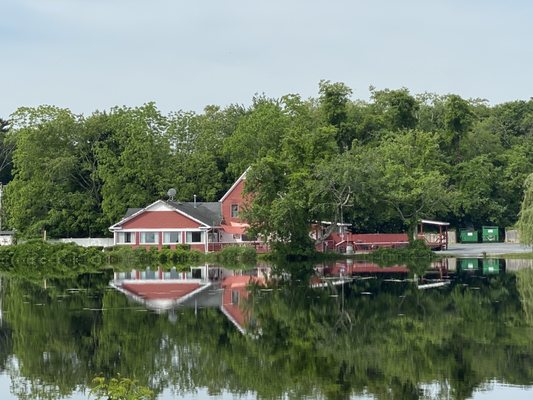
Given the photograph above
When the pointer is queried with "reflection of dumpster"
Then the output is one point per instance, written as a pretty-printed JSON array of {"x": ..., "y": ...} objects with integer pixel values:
[
  {"x": 491, "y": 266},
  {"x": 467, "y": 264},
  {"x": 490, "y": 234},
  {"x": 468, "y": 236}
]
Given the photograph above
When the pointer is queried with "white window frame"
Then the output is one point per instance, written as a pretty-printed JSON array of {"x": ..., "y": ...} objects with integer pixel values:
[
  {"x": 142, "y": 239},
  {"x": 122, "y": 235},
  {"x": 179, "y": 233},
  {"x": 234, "y": 213},
  {"x": 202, "y": 237}
]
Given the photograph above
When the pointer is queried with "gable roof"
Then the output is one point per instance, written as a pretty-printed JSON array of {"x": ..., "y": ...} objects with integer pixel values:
[
  {"x": 242, "y": 177},
  {"x": 206, "y": 213}
]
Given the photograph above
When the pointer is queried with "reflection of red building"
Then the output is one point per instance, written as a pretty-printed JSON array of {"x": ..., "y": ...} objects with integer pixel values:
[
  {"x": 163, "y": 291},
  {"x": 361, "y": 268},
  {"x": 160, "y": 290},
  {"x": 235, "y": 291}
]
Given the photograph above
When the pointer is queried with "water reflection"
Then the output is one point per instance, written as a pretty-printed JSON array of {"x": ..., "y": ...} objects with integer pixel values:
[{"x": 335, "y": 331}]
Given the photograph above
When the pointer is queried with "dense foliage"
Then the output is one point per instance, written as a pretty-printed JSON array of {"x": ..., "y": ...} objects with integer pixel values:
[
  {"x": 525, "y": 223},
  {"x": 36, "y": 258},
  {"x": 380, "y": 164}
]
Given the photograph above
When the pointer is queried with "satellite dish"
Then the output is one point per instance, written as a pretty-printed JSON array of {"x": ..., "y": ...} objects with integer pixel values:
[{"x": 171, "y": 193}]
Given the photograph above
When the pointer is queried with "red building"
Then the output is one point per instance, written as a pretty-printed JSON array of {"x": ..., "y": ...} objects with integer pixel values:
[{"x": 204, "y": 226}]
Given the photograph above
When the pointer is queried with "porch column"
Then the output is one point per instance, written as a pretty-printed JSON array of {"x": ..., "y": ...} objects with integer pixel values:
[{"x": 206, "y": 240}]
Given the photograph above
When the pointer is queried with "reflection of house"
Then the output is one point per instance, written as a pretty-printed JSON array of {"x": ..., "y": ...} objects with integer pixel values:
[
  {"x": 204, "y": 226},
  {"x": 164, "y": 291},
  {"x": 159, "y": 290},
  {"x": 362, "y": 268},
  {"x": 235, "y": 292}
]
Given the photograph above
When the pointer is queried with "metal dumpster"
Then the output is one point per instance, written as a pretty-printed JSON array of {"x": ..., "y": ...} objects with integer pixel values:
[
  {"x": 490, "y": 234},
  {"x": 468, "y": 236}
]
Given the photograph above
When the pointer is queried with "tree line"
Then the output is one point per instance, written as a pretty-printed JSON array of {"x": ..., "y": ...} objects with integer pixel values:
[{"x": 380, "y": 164}]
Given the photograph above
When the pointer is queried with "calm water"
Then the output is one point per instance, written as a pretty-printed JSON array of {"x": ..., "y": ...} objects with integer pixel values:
[{"x": 459, "y": 330}]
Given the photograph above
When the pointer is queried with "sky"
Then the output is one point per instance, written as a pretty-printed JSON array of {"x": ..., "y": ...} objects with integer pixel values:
[{"x": 89, "y": 55}]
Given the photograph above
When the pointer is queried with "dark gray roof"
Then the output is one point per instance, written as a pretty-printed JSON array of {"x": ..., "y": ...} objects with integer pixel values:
[
  {"x": 131, "y": 211},
  {"x": 209, "y": 213}
]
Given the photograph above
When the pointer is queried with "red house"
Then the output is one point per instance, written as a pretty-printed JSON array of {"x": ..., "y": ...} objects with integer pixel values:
[{"x": 204, "y": 226}]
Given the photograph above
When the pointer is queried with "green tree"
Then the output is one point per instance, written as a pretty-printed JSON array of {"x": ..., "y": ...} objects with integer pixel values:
[
  {"x": 258, "y": 134},
  {"x": 398, "y": 107},
  {"x": 406, "y": 174},
  {"x": 7, "y": 146},
  {"x": 334, "y": 102},
  {"x": 281, "y": 183},
  {"x": 133, "y": 160},
  {"x": 476, "y": 183},
  {"x": 197, "y": 143},
  {"x": 45, "y": 193},
  {"x": 458, "y": 119},
  {"x": 525, "y": 222}
]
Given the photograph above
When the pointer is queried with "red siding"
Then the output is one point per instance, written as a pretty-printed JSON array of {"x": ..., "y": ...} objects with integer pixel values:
[
  {"x": 160, "y": 220},
  {"x": 151, "y": 291},
  {"x": 234, "y": 197},
  {"x": 237, "y": 284},
  {"x": 363, "y": 268}
]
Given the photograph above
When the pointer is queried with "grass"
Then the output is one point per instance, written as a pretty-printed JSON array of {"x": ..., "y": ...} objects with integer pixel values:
[{"x": 517, "y": 256}]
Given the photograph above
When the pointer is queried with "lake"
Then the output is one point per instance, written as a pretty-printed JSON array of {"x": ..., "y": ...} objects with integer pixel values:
[{"x": 458, "y": 329}]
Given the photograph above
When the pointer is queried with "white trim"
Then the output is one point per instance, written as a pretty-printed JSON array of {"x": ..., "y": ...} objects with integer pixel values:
[
  {"x": 201, "y": 228},
  {"x": 243, "y": 176},
  {"x": 202, "y": 238},
  {"x": 117, "y": 234},
  {"x": 430, "y": 222},
  {"x": 180, "y": 235},
  {"x": 156, "y": 237},
  {"x": 124, "y": 220},
  {"x": 118, "y": 225}
]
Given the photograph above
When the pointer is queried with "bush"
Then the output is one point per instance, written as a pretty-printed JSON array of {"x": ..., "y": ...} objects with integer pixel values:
[
  {"x": 236, "y": 254},
  {"x": 416, "y": 256}
]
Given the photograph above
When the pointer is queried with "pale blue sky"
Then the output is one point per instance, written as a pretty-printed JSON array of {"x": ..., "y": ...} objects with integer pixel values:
[{"x": 94, "y": 54}]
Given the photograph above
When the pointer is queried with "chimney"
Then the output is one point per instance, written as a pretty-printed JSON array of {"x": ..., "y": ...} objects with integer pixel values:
[{"x": 194, "y": 201}]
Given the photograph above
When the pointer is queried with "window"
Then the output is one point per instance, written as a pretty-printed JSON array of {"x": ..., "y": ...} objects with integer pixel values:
[
  {"x": 149, "y": 238},
  {"x": 125, "y": 237},
  {"x": 195, "y": 237},
  {"x": 235, "y": 297},
  {"x": 234, "y": 210},
  {"x": 171, "y": 237}
]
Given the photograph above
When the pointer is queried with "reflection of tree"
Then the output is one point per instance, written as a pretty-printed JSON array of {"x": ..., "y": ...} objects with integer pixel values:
[
  {"x": 398, "y": 339},
  {"x": 524, "y": 283},
  {"x": 51, "y": 336},
  {"x": 5, "y": 331}
]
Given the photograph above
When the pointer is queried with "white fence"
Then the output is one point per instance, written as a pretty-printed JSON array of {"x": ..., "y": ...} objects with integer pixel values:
[
  {"x": 89, "y": 242},
  {"x": 512, "y": 236}
]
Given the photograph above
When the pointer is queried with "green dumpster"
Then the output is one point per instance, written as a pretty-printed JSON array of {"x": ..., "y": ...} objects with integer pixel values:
[
  {"x": 467, "y": 264},
  {"x": 490, "y": 234},
  {"x": 491, "y": 266},
  {"x": 468, "y": 236}
]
